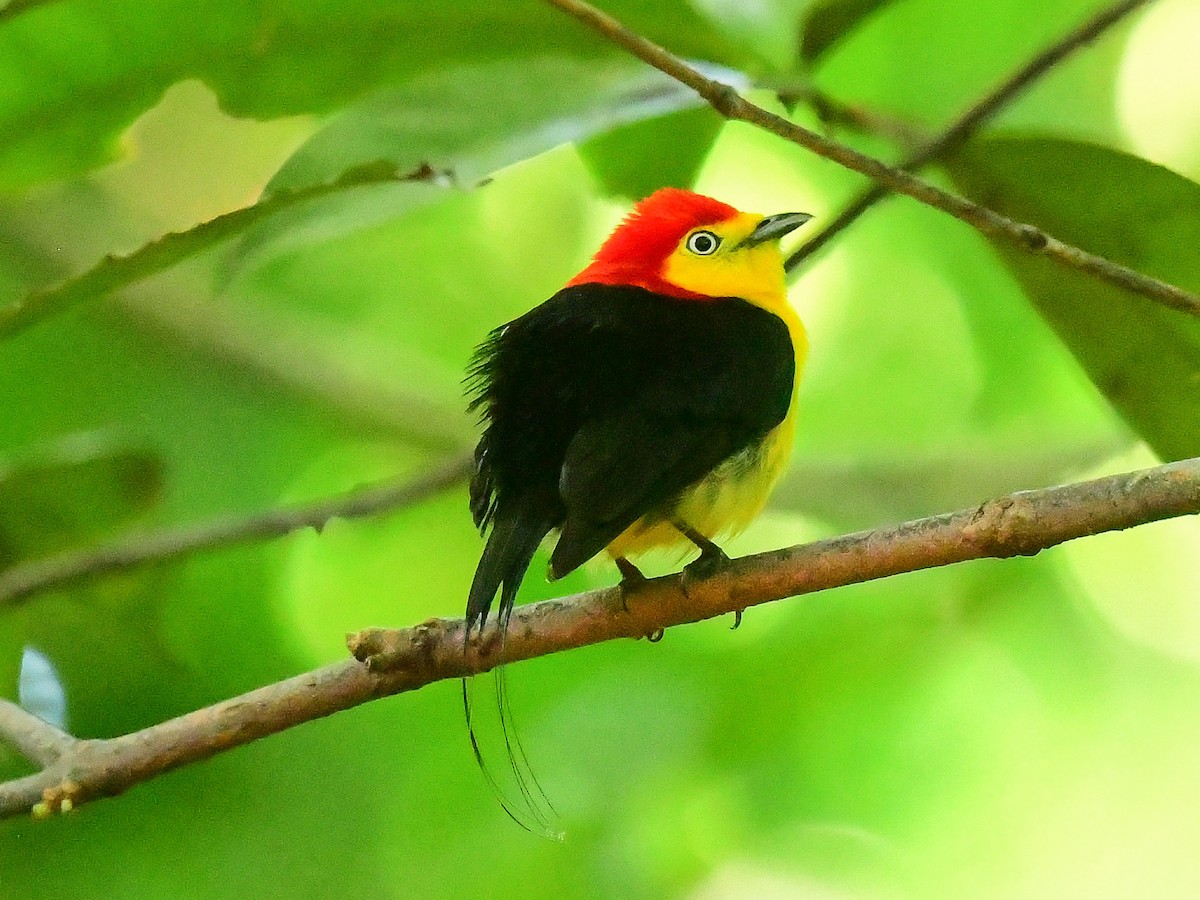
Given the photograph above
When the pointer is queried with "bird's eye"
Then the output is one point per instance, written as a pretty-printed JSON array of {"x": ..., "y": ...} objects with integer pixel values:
[{"x": 703, "y": 243}]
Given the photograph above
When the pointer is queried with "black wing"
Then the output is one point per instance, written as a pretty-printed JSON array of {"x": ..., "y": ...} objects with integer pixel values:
[
  {"x": 605, "y": 402},
  {"x": 536, "y": 380},
  {"x": 699, "y": 409}
]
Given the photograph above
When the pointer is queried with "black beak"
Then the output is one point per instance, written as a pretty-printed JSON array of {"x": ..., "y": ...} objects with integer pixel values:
[{"x": 772, "y": 228}]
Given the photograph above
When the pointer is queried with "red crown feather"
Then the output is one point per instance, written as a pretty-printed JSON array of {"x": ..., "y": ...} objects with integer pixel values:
[{"x": 636, "y": 250}]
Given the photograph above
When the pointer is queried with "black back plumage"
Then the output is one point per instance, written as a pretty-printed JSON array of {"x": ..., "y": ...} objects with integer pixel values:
[{"x": 603, "y": 405}]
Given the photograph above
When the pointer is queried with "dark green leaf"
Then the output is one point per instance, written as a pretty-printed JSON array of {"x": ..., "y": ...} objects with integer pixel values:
[
  {"x": 765, "y": 29},
  {"x": 1144, "y": 358},
  {"x": 678, "y": 144},
  {"x": 466, "y": 123},
  {"x": 76, "y": 73},
  {"x": 828, "y": 22},
  {"x": 79, "y": 489},
  {"x": 474, "y": 119},
  {"x": 927, "y": 61}
]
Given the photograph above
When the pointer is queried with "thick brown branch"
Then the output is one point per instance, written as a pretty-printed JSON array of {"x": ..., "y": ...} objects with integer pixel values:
[
  {"x": 970, "y": 121},
  {"x": 725, "y": 100},
  {"x": 37, "y": 741},
  {"x": 407, "y": 659},
  {"x": 40, "y": 575}
]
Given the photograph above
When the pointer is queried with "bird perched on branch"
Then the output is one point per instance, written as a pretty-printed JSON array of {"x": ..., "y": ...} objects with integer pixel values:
[{"x": 649, "y": 403}]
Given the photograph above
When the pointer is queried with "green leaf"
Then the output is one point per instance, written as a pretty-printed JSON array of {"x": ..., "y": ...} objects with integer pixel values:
[
  {"x": 766, "y": 29},
  {"x": 474, "y": 119},
  {"x": 15, "y": 7},
  {"x": 76, "y": 490},
  {"x": 115, "y": 272},
  {"x": 926, "y": 61},
  {"x": 1144, "y": 358},
  {"x": 406, "y": 299},
  {"x": 681, "y": 141},
  {"x": 829, "y": 22},
  {"x": 467, "y": 123},
  {"x": 76, "y": 73}
]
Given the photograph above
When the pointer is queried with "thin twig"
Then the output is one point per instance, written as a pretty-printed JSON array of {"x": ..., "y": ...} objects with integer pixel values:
[
  {"x": 27, "y": 579},
  {"x": 36, "y": 740},
  {"x": 405, "y": 660},
  {"x": 726, "y": 101},
  {"x": 115, "y": 272},
  {"x": 970, "y": 121}
]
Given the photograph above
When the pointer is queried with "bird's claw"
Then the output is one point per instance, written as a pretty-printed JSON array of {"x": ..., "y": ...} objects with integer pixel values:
[
  {"x": 712, "y": 562},
  {"x": 631, "y": 579}
]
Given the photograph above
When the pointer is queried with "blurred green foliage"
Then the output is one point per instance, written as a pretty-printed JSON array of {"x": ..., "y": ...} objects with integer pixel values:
[{"x": 998, "y": 729}]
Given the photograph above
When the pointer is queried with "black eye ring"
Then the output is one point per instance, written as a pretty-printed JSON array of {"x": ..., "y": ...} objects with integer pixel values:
[{"x": 703, "y": 243}]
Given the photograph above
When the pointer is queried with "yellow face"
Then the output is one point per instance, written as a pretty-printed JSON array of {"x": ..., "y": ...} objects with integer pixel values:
[{"x": 712, "y": 260}]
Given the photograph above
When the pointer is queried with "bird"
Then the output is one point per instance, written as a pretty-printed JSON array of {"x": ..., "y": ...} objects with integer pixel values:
[{"x": 650, "y": 403}]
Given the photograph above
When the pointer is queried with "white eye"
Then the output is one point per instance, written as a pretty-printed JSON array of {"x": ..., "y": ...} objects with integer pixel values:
[{"x": 703, "y": 243}]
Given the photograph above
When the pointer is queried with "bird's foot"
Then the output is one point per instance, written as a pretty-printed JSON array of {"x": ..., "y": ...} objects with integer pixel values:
[
  {"x": 631, "y": 579},
  {"x": 737, "y": 619},
  {"x": 709, "y": 572},
  {"x": 712, "y": 563},
  {"x": 712, "y": 560}
]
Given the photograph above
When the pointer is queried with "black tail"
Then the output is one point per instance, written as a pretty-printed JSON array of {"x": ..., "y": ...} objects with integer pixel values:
[{"x": 514, "y": 538}]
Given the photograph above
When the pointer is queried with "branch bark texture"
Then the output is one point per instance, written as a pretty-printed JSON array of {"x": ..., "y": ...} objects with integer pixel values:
[
  {"x": 726, "y": 101},
  {"x": 394, "y": 661},
  {"x": 37, "y": 741}
]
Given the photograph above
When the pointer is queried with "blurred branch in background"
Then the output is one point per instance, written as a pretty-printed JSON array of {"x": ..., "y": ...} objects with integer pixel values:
[
  {"x": 863, "y": 492},
  {"x": 283, "y": 353},
  {"x": 404, "y": 660},
  {"x": 726, "y": 101},
  {"x": 976, "y": 116},
  {"x": 115, "y": 272},
  {"x": 855, "y": 493},
  {"x": 25, "y": 580}
]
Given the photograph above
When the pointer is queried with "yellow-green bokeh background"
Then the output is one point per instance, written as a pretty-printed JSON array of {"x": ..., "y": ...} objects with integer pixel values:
[{"x": 1025, "y": 728}]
